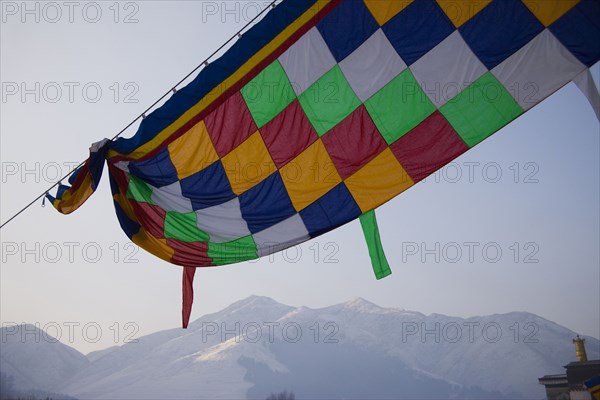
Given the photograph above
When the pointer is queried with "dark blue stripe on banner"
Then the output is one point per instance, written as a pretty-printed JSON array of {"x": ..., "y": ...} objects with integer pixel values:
[{"x": 210, "y": 77}]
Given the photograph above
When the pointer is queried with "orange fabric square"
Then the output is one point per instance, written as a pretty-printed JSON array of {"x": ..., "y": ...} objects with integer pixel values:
[
  {"x": 460, "y": 11},
  {"x": 384, "y": 10},
  {"x": 248, "y": 164},
  {"x": 193, "y": 151},
  {"x": 378, "y": 181},
  {"x": 310, "y": 175},
  {"x": 549, "y": 11}
]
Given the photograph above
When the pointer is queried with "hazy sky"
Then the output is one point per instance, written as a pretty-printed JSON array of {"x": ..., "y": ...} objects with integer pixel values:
[{"x": 533, "y": 194}]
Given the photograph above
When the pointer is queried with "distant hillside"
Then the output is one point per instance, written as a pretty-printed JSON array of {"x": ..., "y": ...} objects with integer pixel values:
[{"x": 33, "y": 363}]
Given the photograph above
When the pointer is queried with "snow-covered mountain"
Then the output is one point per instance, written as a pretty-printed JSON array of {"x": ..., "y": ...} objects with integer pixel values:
[
  {"x": 35, "y": 361},
  {"x": 356, "y": 349}
]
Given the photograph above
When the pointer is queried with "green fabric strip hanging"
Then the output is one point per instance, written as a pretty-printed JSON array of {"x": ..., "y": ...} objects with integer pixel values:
[{"x": 368, "y": 221}]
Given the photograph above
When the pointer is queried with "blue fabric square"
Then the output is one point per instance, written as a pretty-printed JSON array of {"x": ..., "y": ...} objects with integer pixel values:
[
  {"x": 74, "y": 175},
  {"x": 347, "y": 27},
  {"x": 579, "y": 31},
  {"x": 418, "y": 29},
  {"x": 129, "y": 226},
  {"x": 332, "y": 210},
  {"x": 266, "y": 204},
  {"x": 158, "y": 170},
  {"x": 499, "y": 30},
  {"x": 208, "y": 187}
]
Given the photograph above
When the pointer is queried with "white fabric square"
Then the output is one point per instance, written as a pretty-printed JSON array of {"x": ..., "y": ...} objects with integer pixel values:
[
  {"x": 169, "y": 198},
  {"x": 537, "y": 70},
  {"x": 223, "y": 222},
  {"x": 307, "y": 60},
  {"x": 122, "y": 165},
  {"x": 447, "y": 69},
  {"x": 585, "y": 83},
  {"x": 98, "y": 145},
  {"x": 280, "y": 236},
  {"x": 372, "y": 66}
]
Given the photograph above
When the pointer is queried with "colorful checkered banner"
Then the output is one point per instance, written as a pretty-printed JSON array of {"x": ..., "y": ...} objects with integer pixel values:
[{"x": 325, "y": 110}]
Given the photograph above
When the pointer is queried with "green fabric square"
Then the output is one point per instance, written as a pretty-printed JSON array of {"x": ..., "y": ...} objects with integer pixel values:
[
  {"x": 139, "y": 191},
  {"x": 328, "y": 101},
  {"x": 182, "y": 226},
  {"x": 238, "y": 250},
  {"x": 399, "y": 106},
  {"x": 481, "y": 109},
  {"x": 268, "y": 93}
]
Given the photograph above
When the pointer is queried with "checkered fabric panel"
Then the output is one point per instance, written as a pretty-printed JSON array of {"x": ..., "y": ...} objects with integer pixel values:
[{"x": 348, "y": 104}]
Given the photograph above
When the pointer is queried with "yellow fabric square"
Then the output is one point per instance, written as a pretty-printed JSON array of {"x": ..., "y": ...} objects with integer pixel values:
[
  {"x": 158, "y": 247},
  {"x": 384, "y": 10},
  {"x": 193, "y": 151},
  {"x": 248, "y": 164},
  {"x": 549, "y": 11},
  {"x": 71, "y": 201},
  {"x": 310, "y": 175},
  {"x": 123, "y": 202},
  {"x": 378, "y": 181},
  {"x": 460, "y": 11}
]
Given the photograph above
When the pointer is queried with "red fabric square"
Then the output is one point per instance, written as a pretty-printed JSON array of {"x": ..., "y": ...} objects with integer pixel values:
[
  {"x": 151, "y": 217},
  {"x": 193, "y": 254},
  {"x": 354, "y": 142},
  {"x": 288, "y": 134},
  {"x": 119, "y": 178},
  {"x": 230, "y": 124},
  {"x": 428, "y": 147}
]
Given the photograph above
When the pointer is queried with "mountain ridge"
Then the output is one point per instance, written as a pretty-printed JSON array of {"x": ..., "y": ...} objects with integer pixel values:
[{"x": 242, "y": 350}]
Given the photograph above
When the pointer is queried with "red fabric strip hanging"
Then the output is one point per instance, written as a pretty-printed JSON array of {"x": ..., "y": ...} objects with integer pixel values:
[{"x": 188, "y": 294}]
